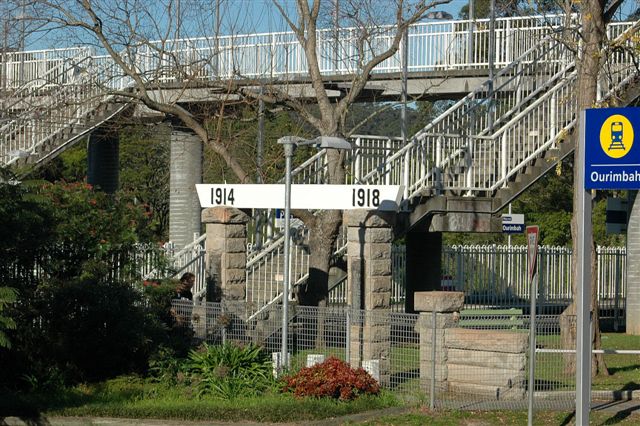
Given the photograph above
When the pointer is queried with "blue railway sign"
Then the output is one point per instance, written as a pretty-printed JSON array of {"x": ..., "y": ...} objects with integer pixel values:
[{"x": 612, "y": 158}]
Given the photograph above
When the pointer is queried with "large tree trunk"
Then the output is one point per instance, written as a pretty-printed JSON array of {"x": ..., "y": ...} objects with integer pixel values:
[
  {"x": 593, "y": 36},
  {"x": 321, "y": 245}
]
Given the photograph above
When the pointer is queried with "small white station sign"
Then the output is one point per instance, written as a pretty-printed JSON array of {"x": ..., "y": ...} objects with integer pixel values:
[
  {"x": 311, "y": 197},
  {"x": 512, "y": 223}
]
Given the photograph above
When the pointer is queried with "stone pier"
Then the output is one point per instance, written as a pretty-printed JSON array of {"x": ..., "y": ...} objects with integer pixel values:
[
  {"x": 226, "y": 256},
  {"x": 369, "y": 239},
  {"x": 446, "y": 306}
]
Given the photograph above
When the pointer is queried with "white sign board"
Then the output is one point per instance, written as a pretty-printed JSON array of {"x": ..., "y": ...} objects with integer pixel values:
[
  {"x": 308, "y": 197},
  {"x": 512, "y": 223}
]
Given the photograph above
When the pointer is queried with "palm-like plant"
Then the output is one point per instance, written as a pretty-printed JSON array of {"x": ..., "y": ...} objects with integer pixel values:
[{"x": 8, "y": 296}]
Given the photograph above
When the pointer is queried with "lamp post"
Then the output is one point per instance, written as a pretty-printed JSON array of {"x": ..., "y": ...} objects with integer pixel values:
[{"x": 289, "y": 144}]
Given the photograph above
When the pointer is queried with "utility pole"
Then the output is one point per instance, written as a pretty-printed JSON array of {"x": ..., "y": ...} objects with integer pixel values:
[
  {"x": 470, "y": 52},
  {"x": 336, "y": 34},
  {"x": 405, "y": 72},
  {"x": 492, "y": 53}
]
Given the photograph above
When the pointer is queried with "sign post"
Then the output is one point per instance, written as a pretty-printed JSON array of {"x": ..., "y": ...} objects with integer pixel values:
[
  {"x": 607, "y": 157},
  {"x": 533, "y": 233}
]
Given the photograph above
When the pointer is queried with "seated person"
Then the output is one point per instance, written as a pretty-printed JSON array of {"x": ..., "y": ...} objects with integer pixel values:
[{"x": 183, "y": 290}]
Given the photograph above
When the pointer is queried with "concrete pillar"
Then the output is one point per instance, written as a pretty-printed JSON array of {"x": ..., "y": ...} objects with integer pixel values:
[
  {"x": 445, "y": 305},
  {"x": 226, "y": 255},
  {"x": 103, "y": 165},
  {"x": 632, "y": 307},
  {"x": 369, "y": 238},
  {"x": 186, "y": 172},
  {"x": 424, "y": 264}
]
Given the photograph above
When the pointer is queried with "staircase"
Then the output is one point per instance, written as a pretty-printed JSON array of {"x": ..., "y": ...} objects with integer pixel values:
[
  {"x": 49, "y": 114},
  {"x": 496, "y": 141},
  {"x": 493, "y": 143}
]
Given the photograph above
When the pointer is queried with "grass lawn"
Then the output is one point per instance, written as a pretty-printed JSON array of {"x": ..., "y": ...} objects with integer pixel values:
[
  {"x": 624, "y": 369},
  {"x": 483, "y": 418},
  {"x": 133, "y": 397}
]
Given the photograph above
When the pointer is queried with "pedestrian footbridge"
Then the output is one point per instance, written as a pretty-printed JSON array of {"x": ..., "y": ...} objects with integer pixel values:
[{"x": 512, "y": 120}]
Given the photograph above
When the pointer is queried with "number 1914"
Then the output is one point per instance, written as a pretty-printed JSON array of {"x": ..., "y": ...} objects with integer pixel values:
[{"x": 222, "y": 196}]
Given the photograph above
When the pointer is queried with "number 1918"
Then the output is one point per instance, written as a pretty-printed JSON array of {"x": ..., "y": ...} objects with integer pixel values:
[{"x": 361, "y": 197}]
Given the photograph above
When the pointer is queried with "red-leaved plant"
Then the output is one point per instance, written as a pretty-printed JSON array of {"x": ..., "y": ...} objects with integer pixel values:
[{"x": 332, "y": 378}]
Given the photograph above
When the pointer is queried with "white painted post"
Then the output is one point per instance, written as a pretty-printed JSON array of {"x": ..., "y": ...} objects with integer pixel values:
[
  {"x": 504, "y": 155},
  {"x": 438, "y": 176},
  {"x": 583, "y": 299}
]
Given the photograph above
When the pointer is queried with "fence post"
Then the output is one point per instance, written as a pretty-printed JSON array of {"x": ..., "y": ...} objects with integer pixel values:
[
  {"x": 432, "y": 393},
  {"x": 347, "y": 344}
]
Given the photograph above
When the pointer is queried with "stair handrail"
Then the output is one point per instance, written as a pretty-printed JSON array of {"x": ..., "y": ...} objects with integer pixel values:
[
  {"x": 562, "y": 76},
  {"x": 76, "y": 99}
]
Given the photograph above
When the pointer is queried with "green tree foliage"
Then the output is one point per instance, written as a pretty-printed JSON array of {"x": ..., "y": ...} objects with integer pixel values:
[
  {"x": 144, "y": 172},
  {"x": 66, "y": 249},
  {"x": 8, "y": 296}
]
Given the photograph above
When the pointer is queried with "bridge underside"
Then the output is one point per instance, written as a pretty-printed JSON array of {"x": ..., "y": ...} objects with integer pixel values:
[{"x": 429, "y": 86}]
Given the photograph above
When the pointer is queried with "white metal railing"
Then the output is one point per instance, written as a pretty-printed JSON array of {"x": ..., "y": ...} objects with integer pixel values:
[
  {"x": 497, "y": 275},
  {"x": 483, "y": 140},
  {"x": 442, "y": 45},
  {"x": 60, "y": 101},
  {"x": 464, "y": 149}
]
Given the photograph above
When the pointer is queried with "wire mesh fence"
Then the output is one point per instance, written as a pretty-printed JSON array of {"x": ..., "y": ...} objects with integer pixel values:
[{"x": 454, "y": 360}]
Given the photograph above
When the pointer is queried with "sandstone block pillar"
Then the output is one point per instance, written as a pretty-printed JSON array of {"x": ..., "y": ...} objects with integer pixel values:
[
  {"x": 369, "y": 239},
  {"x": 226, "y": 257},
  {"x": 444, "y": 306},
  {"x": 632, "y": 306}
]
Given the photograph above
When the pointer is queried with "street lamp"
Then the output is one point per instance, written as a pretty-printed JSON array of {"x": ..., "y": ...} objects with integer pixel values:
[{"x": 290, "y": 143}]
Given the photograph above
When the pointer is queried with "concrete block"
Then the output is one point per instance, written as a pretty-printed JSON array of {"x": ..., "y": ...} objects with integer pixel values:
[
  {"x": 377, "y": 251},
  {"x": 372, "y": 366},
  {"x": 482, "y": 340},
  {"x": 235, "y": 231},
  {"x": 380, "y": 300},
  {"x": 313, "y": 359},
  {"x": 443, "y": 320},
  {"x": 426, "y": 370},
  {"x": 489, "y": 359},
  {"x": 234, "y": 260},
  {"x": 233, "y": 275},
  {"x": 379, "y": 235},
  {"x": 498, "y": 393},
  {"x": 381, "y": 268},
  {"x": 356, "y": 235},
  {"x": 426, "y": 354},
  {"x": 484, "y": 375},
  {"x": 224, "y": 215},
  {"x": 438, "y": 301},
  {"x": 235, "y": 245},
  {"x": 378, "y": 284},
  {"x": 355, "y": 250},
  {"x": 234, "y": 292},
  {"x": 369, "y": 218},
  {"x": 376, "y": 334},
  {"x": 425, "y": 338}
]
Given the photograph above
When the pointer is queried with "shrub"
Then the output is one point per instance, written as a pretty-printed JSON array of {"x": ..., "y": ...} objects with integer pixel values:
[
  {"x": 334, "y": 379},
  {"x": 230, "y": 371}
]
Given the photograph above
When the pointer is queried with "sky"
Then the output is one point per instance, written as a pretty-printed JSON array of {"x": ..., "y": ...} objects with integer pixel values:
[{"x": 255, "y": 16}]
